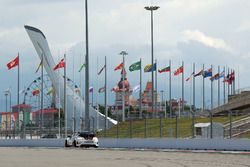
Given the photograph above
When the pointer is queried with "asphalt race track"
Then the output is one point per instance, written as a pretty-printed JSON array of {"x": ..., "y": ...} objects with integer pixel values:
[{"x": 62, "y": 157}]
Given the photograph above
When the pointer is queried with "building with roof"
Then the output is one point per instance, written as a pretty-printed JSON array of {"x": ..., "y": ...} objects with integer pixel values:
[
  {"x": 147, "y": 98},
  {"x": 119, "y": 93}
]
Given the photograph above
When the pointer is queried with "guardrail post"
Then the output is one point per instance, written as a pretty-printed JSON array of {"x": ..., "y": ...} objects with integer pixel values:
[
  {"x": 176, "y": 127},
  {"x": 211, "y": 124},
  {"x": 193, "y": 122},
  {"x": 145, "y": 127},
  {"x": 160, "y": 126},
  {"x": 230, "y": 130},
  {"x": 130, "y": 127}
]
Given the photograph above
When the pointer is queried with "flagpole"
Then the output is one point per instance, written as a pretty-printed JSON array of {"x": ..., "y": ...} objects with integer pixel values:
[
  {"x": 156, "y": 93},
  {"x": 182, "y": 107},
  {"x": 73, "y": 108},
  {"x": 194, "y": 108},
  {"x": 203, "y": 89},
  {"x": 219, "y": 86},
  {"x": 224, "y": 86},
  {"x": 97, "y": 95},
  {"x": 123, "y": 53},
  {"x": 42, "y": 93},
  {"x": 212, "y": 102},
  {"x": 191, "y": 97},
  {"x": 105, "y": 96},
  {"x": 59, "y": 103},
  {"x": 211, "y": 114},
  {"x": 65, "y": 101},
  {"x": 18, "y": 79},
  {"x": 228, "y": 86},
  {"x": 18, "y": 83},
  {"x": 140, "y": 89},
  {"x": 239, "y": 79},
  {"x": 170, "y": 77},
  {"x": 231, "y": 82},
  {"x": 87, "y": 125}
]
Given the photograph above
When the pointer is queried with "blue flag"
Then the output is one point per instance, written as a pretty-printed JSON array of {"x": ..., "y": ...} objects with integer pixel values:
[{"x": 208, "y": 73}]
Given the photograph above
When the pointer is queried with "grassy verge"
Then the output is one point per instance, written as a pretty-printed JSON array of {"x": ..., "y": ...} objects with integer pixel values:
[{"x": 153, "y": 130}]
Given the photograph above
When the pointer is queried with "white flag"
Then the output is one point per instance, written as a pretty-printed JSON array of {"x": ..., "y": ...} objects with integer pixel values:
[{"x": 136, "y": 88}]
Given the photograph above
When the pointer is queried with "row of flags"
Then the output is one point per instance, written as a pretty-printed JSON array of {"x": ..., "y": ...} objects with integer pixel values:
[
  {"x": 134, "y": 67},
  {"x": 205, "y": 73}
]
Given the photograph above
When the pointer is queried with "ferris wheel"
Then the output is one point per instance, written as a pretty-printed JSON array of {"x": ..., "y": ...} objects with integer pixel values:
[{"x": 33, "y": 94}]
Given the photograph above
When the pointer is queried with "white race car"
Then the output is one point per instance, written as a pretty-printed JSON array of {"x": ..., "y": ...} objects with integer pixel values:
[{"x": 82, "y": 139}]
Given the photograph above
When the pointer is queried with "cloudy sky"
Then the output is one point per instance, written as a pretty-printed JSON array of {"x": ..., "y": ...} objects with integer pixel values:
[{"x": 213, "y": 32}]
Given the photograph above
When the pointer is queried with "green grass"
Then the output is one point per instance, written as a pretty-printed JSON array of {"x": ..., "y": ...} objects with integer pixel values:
[
  {"x": 153, "y": 127},
  {"x": 245, "y": 135}
]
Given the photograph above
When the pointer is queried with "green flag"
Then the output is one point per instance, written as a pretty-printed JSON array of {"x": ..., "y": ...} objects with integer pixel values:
[
  {"x": 135, "y": 66},
  {"x": 50, "y": 90},
  {"x": 83, "y": 65}
]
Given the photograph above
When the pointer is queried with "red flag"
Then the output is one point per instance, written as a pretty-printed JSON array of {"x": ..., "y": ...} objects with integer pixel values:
[
  {"x": 35, "y": 92},
  {"x": 178, "y": 71},
  {"x": 190, "y": 76},
  {"x": 13, "y": 63},
  {"x": 61, "y": 64},
  {"x": 118, "y": 67},
  {"x": 231, "y": 78}
]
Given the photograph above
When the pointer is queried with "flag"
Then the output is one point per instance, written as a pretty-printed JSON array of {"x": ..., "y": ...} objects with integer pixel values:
[
  {"x": 231, "y": 78},
  {"x": 50, "y": 90},
  {"x": 13, "y": 63},
  {"x": 91, "y": 89},
  {"x": 35, "y": 92},
  {"x": 81, "y": 67},
  {"x": 101, "y": 90},
  {"x": 135, "y": 66},
  {"x": 149, "y": 68},
  {"x": 101, "y": 70},
  {"x": 222, "y": 74},
  {"x": 22, "y": 91},
  {"x": 226, "y": 78},
  {"x": 136, "y": 88},
  {"x": 166, "y": 69},
  {"x": 208, "y": 73},
  {"x": 39, "y": 66},
  {"x": 119, "y": 66},
  {"x": 190, "y": 77},
  {"x": 61, "y": 64},
  {"x": 7, "y": 91},
  {"x": 215, "y": 77},
  {"x": 199, "y": 73},
  {"x": 114, "y": 89},
  {"x": 179, "y": 71}
]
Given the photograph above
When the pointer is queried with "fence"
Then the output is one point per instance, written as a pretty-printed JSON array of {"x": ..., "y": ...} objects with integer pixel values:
[{"x": 228, "y": 125}]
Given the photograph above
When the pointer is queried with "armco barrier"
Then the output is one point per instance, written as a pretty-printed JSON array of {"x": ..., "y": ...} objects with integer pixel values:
[{"x": 183, "y": 144}]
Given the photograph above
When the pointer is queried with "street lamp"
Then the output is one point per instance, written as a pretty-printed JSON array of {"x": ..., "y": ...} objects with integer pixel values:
[
  {"x": 123, "y": 53},
  {"x": 87, "y": 126},
  {"x": 151, "y": 9}
]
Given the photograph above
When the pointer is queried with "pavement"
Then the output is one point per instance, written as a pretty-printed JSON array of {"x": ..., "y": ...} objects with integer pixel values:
[{"x": 74, "y": 157}]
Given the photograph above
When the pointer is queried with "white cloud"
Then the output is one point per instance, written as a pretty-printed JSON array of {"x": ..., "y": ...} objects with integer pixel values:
[
  {"x": 244, "y": 26},
  {"x": 213, "y": 42}
]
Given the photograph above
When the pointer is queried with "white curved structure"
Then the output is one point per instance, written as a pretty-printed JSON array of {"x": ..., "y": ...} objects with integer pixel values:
[{"x": 42, "y": 48}]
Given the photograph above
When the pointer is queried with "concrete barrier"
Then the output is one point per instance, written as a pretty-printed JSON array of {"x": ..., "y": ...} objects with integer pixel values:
[{"x": 183, "y": 144}]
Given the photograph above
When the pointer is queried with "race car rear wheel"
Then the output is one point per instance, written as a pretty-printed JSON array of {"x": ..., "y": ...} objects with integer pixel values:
[
  {"x": 66, "y": 144},
  {"x": 74, "y": 143}
]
